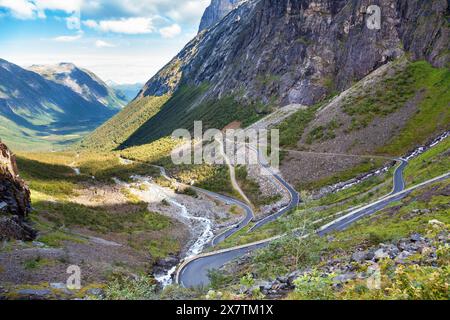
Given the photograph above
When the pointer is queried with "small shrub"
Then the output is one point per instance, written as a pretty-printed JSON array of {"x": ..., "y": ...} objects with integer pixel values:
[{"x": 124, "y": 288}]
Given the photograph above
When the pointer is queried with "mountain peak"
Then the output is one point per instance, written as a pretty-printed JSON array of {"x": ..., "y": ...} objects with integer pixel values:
[
  {"x": 83, "y": 82},
  {"x": 216, "y": 11},
  {"x": 63, "y": 67}
]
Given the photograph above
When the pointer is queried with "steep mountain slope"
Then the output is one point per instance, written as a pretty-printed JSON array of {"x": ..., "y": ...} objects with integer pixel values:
[
  {"x": 38, "y": 112},
  {"x": 396, "y": 108},
  {"x": 267, "y": 53},
  {"x": 301, "y": 51}
]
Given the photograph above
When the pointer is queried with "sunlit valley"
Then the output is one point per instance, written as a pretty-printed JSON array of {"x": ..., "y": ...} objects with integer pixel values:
[{"x": 358, "y": 208}]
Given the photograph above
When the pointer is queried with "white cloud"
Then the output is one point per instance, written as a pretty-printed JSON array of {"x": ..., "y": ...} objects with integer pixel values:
[
  {"x": 171, "y": 31},
  {"x": 68, "y": 6},
  {"x": 31, "y": 9},
  {"x": 73, "y": 23},
  {"x": 91, "y": 24},
  {"x": 68, "y": 38},
  {"x": 20, "y": 9},
  {"x": 181, "y": 12},
  {"x": 187, "y": 11},
  {"x": 103, "y": 44},
  {"x": 125, "y": 26}
]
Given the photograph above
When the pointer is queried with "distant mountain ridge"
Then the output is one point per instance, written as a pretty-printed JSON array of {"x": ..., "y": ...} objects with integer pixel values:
[
  {"x": 40, "y": 107},
  {"x": 83, "y": 82},
  {"x": 126, "y": 91}
]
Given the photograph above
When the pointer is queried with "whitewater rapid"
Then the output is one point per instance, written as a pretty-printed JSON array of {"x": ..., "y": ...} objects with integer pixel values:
[{"x": 154, "y": 192}]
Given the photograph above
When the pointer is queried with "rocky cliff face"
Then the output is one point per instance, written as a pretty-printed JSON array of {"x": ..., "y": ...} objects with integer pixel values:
[
  {"x": 301, "y": 51},
  {"x": 15, "y": 203},
  {"x": 216, "y": 11}
]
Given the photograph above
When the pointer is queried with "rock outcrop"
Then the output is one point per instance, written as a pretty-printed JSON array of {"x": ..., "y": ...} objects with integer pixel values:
[
  {"x": 361, "y": 264},
  {"x": 15, "y": 203}
]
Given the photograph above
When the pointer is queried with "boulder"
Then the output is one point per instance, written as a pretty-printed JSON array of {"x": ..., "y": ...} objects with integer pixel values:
[
  {"x": 400, "y": 259},
  {"x": 293, "y": 276},
  {"x": 35, "y": 293},
  {"x": 359, "y": 256},
  {"x": 380, "y": 254},
  {"x": 96, "y": 292},
  {"x": 14, "y": 228},
  {"x": 345, "y": 277}
]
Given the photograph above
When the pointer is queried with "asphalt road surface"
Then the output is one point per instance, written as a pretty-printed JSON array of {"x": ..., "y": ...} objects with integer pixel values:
[{"x": 242, "y": 224}]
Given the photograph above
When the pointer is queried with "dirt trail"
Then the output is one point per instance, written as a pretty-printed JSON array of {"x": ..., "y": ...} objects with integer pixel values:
[{"x": 232, "y": 173}]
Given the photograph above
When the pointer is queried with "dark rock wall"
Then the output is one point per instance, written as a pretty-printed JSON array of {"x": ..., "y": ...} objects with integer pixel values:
[
  {"x": 16, "y": 195},
  {"x": 301, "y": 51}
]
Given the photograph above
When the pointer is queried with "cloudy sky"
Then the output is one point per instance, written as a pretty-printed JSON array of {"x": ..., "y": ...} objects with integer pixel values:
[{"x": 126, "y": 41}]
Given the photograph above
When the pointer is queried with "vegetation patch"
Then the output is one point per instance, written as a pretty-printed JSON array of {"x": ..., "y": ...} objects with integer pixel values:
[
  {"x": 384, "y": 98},
  {"x": 57, "y": 238},
  {"x": 292, "y": 129},
  {"x": 323, "y": 133},
  {"x": 431, "y": 164},
  {"x": 50, "y": 178},
  {"x": 433, "y": 115},
  {"x": 159, "y": 249},
  {"x": 103, "y": 219},
  {"x": 181, "y": 111},
  {"x": 37, "y": 263},
  {"x": 119, "y": 128}
]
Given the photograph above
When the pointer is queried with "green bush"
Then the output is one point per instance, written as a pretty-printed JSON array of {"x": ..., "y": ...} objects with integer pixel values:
[
  {"x": 125, "y": 288},
  {"x": 314, "y": 286}
]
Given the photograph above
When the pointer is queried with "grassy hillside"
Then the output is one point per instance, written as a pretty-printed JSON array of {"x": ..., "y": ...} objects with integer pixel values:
[
  {"x": 181, "y": 112},
  {"x": 314, "y": 213},
  {"x": 150, "y": 118},
  {"x": 433, "y": 115},
  {"x": 65, "y": 203},
  {"x": 118, "y": 129}
]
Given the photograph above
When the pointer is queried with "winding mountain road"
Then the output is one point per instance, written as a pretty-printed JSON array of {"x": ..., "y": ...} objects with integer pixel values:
[
  {"x": 293, "y": 194},
  {"x": 295, "y": 199},
  {"x": 194, "y": 272},
  {"x": 236, "y": 228}
]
